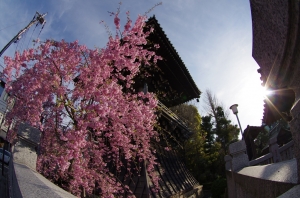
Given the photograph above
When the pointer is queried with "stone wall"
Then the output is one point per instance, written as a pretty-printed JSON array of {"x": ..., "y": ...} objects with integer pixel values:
[
  {"x": 270, "y": 28},
  {"x": 269, "y": 180},
  {"x": 251, "y": 187}
]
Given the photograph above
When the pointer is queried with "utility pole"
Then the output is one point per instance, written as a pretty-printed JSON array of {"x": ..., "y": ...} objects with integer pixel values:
[{"x": 38, "y": 18}]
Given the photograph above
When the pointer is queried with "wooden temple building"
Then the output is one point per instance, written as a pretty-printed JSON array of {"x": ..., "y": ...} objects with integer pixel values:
[
  {"x": 173, "y": 85},
  {"x": 276, "y": 49}
]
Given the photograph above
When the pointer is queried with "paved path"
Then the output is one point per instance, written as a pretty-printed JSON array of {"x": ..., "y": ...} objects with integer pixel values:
[{"x": 34, "y": 185}]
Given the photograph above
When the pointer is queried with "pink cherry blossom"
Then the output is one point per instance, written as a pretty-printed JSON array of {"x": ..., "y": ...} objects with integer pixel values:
[{"x": 84, "y": 103}]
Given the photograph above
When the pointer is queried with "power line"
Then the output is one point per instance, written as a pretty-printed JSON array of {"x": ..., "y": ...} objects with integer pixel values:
[
  {"x": 12, "y": 25},
  {"x": 31, "y": 35},
  {"x": 38, "y": 18}
]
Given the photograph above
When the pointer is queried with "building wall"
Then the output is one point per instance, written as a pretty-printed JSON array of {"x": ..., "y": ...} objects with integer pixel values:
[
  {"x": 276, "y": 32},
  {"x": 3, "y": 109}
]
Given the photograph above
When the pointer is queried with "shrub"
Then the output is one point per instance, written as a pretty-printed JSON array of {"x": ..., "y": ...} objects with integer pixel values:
[{"x": 218, "y": 187}]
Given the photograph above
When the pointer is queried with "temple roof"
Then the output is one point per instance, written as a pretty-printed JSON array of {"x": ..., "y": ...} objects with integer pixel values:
[{"x": 172, "y": 69}]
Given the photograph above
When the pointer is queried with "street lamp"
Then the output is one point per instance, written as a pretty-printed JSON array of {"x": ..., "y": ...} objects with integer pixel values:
[{"x": 235, "y": 111}]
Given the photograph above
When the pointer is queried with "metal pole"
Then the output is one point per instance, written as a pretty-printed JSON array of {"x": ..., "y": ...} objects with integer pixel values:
[
  {"x": 240, "y": 125},
  {"x": 39, "y": 18}
]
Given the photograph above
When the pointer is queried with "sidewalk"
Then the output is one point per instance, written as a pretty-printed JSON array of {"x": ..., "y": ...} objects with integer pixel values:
[{"x": 34, "y": 185}]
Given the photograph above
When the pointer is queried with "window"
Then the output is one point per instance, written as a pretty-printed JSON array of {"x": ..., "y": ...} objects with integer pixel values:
[
  {"x": 2, "y": 86},
  {"x": 5, "y": 97},
  {"x": 1, "y": 89}
]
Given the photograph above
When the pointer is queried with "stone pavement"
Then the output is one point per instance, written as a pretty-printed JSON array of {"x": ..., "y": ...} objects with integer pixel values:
[{"x": 34, "y": 185}]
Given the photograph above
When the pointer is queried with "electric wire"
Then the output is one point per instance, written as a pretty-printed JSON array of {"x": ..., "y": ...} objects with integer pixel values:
[
  {"x": 11, "y": 25},
  {"x": 41, "y": 30},
  {"x": 23, "y": 41},
  {"x": 31, "y": 36}
]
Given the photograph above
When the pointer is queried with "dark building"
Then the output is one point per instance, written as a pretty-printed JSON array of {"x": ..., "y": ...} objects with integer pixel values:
[
  {"x": 276, "y": 49},
  {"x": 250, "y": 134},
  {"x": 173, "y": 85}
]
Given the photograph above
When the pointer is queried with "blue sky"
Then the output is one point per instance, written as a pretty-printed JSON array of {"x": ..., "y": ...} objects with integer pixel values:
[{"x": 213, "y": 38}]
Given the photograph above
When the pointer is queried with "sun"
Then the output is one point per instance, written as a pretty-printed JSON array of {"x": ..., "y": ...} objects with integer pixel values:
[{"x": 264, "y": 92}]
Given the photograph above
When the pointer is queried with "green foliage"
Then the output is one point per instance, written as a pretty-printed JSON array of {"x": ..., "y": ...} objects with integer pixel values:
[
  {"x": 207, "y": 127},
  {"x": 204, "y": 151},
  {"x": 189, "y": 113},
  {"x": 193, "y": 151},
  {"x": 225, "y": 131},
  {"x": 218, "y": 188},
  {"x": 219, "y": 134}
]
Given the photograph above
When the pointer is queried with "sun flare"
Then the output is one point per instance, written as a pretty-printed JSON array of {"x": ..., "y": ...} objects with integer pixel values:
[{"x": 264, "y": 93}]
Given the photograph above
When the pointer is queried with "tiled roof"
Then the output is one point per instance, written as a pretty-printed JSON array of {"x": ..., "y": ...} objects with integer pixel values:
[{"x": 172, "y": 65}]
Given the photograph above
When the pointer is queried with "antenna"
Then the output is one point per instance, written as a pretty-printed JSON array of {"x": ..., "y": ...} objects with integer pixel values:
[{"x": 38, "y": 18}]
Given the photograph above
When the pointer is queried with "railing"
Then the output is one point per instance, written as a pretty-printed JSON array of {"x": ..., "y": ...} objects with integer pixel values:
[
  {"x": 270, "y": 181},
  {"x": 265, "y": 159},
  {"x": 286, "y": 153},
  {"x": 172, "y": 115}
]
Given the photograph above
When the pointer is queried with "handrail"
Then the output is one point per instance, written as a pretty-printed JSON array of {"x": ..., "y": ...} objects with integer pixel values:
[
  {"x": 261, "y": 159},
  {"x": 269, "y": 156},
  {"x": 286, "y": 146},
  {"x": 172, "y": 115}
]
